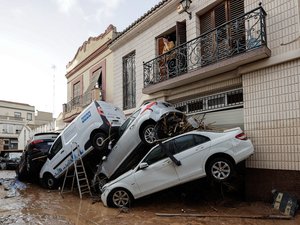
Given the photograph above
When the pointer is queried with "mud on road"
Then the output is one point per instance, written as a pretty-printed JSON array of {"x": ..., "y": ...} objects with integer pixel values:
[{"x": 35, "y": 205}]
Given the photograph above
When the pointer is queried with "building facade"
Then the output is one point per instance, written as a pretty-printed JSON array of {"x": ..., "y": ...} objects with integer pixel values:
[
  {"x": 16, "y": 121},
  {"x": 235, "y": 61},
  {"x": 89, "y": 74}
]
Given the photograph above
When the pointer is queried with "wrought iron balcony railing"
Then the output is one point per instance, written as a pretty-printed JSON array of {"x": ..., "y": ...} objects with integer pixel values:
[
  {"x": 78, "y": 101},
  {"x": 235, "y": 37}
]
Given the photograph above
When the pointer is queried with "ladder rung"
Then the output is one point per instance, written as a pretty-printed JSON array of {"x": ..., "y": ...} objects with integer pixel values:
[{"x": 82, "y": 179}]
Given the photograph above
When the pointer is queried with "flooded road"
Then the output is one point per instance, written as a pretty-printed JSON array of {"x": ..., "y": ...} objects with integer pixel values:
[{"x": 35, "y": 205}]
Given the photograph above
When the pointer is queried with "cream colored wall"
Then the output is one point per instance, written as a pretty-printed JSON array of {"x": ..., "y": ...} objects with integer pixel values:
[
  {"x": 272, "y": 115},
  {"x": 272, "y": 92},
  {"x": 282, "y": 24},
  {"x": 271, "y": 86},
  {"x": 8, "y": 109},
  {"x": 85, "y": 71}
]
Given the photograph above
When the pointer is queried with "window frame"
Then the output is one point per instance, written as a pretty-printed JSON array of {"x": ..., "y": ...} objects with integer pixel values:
[
  {"x": 129, "y": 81},
  {"x": 29, "y": 116},
  {"x": 17, "y": 114}
]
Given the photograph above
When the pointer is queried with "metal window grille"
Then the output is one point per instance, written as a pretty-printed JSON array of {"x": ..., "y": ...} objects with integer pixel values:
[{"x": 216, "y": 102}]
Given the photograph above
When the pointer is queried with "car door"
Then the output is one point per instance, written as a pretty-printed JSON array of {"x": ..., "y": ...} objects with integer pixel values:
[
  {"x": 191, "y": 150},
  {"x": 56, "y": 157},
  {"x": 160, "y": 173}
]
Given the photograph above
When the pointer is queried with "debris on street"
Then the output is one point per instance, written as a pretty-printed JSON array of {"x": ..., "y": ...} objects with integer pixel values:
[
  {"x": 285, "y": 203},
  {"x": 282, "y": 217},
  {"x": 12, "y": 186}
]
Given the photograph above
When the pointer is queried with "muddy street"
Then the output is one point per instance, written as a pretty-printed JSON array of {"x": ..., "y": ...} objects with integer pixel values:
[{"x": 35, "y": 205}]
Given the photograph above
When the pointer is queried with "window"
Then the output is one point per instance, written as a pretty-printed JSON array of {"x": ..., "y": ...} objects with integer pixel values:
[
  {"x": 228, "y": 99},
  {"x": 215, "y": 44},
  {"x": 188, "y": 141},
  {"x": 76, "y": 93},
  {"x": 57, "y": 145},
  {"x": 29, "y": 116},
  {"x": 199, "y": 139},
  {"x": 17, "y": 114},
  {"x": 129, "y": 86},
  {"x": 183, "y": 143},
  {"x": 173, "y": 63},
  {"x": 155, "y": 155}
]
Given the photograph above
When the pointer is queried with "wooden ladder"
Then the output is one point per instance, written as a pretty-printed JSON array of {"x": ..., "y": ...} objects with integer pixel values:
[{"x": 79, "y": 173}]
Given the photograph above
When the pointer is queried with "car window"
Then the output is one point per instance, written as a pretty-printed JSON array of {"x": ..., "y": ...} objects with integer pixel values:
[
  {"x": 57, "y": 145},
  {"x": 155, "y": 155},
  {"x": 126, "y": 124},
  {"x": 42, "y": 146},
  {"x": 200, "y": 139},
  {"x": 184, "y": 142}
]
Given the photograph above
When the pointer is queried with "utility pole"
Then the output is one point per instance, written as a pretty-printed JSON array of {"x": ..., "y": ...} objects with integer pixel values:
[{"x": 53, "y": 107}]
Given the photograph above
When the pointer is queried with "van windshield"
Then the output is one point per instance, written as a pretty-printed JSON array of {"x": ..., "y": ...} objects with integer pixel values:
[{"x": 129, "y": 121}]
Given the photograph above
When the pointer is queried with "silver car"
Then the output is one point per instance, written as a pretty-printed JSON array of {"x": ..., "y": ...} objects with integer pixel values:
[{"x": 136, "y": 138}]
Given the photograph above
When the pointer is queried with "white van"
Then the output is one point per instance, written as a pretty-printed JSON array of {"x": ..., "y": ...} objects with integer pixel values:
[{"x": 89, "y": 132}]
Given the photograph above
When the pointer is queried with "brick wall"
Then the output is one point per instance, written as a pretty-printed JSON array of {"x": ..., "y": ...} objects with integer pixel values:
[{"x": 272, "y": 116}]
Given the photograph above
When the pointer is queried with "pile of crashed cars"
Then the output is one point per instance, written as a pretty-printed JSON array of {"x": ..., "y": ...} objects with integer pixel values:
[{"x": 156, "y": 148}]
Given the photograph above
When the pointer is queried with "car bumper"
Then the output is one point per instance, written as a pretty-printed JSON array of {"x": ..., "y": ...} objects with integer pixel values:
[{"x": 104, "y": 196}]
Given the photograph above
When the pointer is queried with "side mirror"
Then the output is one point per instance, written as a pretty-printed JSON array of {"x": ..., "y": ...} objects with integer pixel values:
[
  {"x": 104, "y": 158},
  {"x": 143, "y": 165}
]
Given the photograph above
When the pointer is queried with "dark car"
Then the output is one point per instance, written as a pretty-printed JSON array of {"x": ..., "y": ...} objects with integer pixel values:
[
  {"x": 10, "y": 160},
  {"x": 35, "y": 155}
]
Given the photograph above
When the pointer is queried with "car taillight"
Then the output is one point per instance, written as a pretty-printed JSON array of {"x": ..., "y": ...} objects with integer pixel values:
[
  {"x": 100, "y": 111},
  {"x": 36, "y": 142},
  {"x": 148, "y": 107},
  {"x": 241, "y": 136}
]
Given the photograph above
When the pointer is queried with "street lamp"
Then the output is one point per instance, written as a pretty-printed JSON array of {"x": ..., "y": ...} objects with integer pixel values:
[{"x": 184, "y": 6}]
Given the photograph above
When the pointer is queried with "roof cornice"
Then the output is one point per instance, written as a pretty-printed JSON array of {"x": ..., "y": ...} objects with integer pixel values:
[{"x": 143, "y": 23}]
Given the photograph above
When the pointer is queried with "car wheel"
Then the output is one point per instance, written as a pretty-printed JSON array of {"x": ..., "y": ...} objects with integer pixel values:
[
  {"x": 119, "y": 198},
  {"x": 147, "y": 135},
  {"x": 49, "y": 181},
  {"x": 220, "y": 169},
  {"x": 99, "y": 141},
  {"x": 98, "y": 183}
]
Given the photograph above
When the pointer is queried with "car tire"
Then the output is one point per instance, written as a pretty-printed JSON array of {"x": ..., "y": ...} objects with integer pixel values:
[
  {"x": 220, "y": 169},
  {"x": 119, "y": 198},
  {"x": 49, "y": 181},
  {"x": 98, "y": 183},
  {"x": 148, "y": 135},
  {"x": 100, "y": 142}
]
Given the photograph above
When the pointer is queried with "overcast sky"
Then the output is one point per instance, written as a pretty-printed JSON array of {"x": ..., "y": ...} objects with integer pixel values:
[{"x": 35, "y": 35}]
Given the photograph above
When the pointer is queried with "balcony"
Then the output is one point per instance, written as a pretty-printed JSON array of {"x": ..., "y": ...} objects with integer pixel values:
[
  {"x": 220, "y": 50},
  {"x": 77, "y": 104}
]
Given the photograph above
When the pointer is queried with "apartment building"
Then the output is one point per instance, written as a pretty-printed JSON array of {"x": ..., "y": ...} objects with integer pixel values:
[
  {"x": 16, "y": 121},
  {"x": 236, "y": 61},
  {"x": 89, "y": 74}
]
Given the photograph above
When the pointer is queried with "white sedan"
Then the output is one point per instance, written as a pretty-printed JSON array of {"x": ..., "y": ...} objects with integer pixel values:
[{"x": 178, "y": 160}]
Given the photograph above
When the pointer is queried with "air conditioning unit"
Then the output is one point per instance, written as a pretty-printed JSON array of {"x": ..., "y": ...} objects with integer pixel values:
[{"x": 180, "y": 9}]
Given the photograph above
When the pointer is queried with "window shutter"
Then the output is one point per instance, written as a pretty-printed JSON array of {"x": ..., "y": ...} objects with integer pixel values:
[
  {"x": 206, "y": 22},
  {"x": 180, "y": 33},
  {"x": 236, "y": 8},
  {"x": 220, "y": 14},
  {"x": 160, "y": 45}
]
